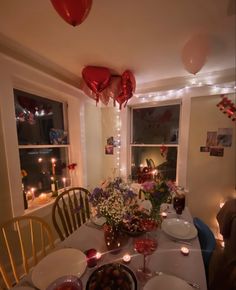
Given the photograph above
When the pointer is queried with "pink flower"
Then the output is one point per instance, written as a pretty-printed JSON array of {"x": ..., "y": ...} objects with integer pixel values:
[{"x": 149, "y": 186}]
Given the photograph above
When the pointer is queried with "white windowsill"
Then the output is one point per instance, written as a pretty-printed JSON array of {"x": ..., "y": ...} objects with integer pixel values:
[{"x": 42, "y": 208}]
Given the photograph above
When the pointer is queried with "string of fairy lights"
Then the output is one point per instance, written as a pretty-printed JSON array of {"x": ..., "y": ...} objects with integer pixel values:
[
  {"x": 177, "y": 93},
  {"x": 167, "y": 95},
  {"x": 118, "y": 139}
]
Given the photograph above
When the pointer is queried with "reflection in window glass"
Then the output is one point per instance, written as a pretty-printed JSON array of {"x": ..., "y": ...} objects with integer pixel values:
[
  {"x": 39, "y": 120},
  {"x": 156, "y": 125},
  {"x": 38, "y": 167},
  {"x": 151, "y": 162}
]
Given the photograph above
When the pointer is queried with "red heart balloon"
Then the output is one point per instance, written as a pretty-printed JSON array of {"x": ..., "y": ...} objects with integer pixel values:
[
  {"x": 128, "y": 87},
  {"x": 73, "y": 12},
  {"x": 97, "y": 78},
  {"x": 128, "y": 79},
  {"x": 122, "y": 98},
  {"x": 83, "y": 86}
]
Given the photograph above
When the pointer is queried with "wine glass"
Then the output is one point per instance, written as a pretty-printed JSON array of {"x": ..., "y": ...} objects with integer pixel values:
[
  {"x": 179, "y": 204},
  {"x": 145, "y": 246}
]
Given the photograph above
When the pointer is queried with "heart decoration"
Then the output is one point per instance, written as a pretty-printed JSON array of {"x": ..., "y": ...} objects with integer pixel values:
[
  {"x": 96, "y": 78},
  {"x": 73, "y": 12},
  {"x": 98, "y": 83}
]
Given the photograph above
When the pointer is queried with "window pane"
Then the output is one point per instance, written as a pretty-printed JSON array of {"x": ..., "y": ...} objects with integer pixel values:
[
  {"x": 39, "y": 120},
  {"x": 148, "y": 162},
  {"x": 156, "y": 125},
  {"x": 37, "y": 163}
]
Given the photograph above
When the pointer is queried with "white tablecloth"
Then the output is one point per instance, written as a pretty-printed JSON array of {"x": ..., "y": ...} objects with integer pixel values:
[{"x": 167, "y": 258}]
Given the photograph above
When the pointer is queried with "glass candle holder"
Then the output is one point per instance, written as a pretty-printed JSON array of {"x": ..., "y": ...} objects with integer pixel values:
[{"x": 91, "y": 256}]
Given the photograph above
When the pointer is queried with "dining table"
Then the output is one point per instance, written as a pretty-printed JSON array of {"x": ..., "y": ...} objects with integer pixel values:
[{"x": 167, "y": 258}]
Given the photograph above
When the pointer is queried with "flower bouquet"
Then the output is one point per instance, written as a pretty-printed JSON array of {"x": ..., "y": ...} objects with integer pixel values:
[
  {"x": 119, "y": 204},
  {"x": 158, "y": 192}
]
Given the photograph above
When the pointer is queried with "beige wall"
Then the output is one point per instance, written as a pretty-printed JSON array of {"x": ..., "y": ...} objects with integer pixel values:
[
  {"x": 109, "y": 126},
  {"x": 94, "y": 145},
  {"x": 5, "y": 201},
  {"x": 210, "y": 179}
]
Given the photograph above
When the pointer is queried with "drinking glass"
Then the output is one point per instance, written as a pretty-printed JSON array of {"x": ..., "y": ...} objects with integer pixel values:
[
  {"x": 179, "y": 204},
  {"x": 145, "y": 246}
]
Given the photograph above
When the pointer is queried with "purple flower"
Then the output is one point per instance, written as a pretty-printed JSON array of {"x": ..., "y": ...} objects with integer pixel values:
[{"x": 95, "y": 195}]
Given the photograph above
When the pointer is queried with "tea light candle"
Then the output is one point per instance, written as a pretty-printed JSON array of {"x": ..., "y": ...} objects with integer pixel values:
[
  {"x": 184, "y": 251},
  {"x": 43, "y": 197},
  {"x": 164, "y": 215},
  {"x": 98, "y": 255},
  {"x": 126, "y": 258}
]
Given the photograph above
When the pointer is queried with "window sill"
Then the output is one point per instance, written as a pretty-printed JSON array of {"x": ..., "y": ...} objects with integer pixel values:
[{"x": 41, "y": 208}]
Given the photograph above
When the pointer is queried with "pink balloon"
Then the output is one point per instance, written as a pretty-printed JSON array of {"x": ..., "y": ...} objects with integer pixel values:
[
  {"x": 195, "y": 52},
  {"x": 88, "y": 92},
  {"x": 114, "y": 87}
]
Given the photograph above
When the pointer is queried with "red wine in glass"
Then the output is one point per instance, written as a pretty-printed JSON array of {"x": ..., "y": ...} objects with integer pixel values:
[
  {"x": 145, "y": 246},
  {"x": 179, "y": 203}
]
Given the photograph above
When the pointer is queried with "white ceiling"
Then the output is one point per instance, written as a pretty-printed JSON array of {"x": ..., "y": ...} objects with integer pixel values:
[{"x": 146, "y": 37}]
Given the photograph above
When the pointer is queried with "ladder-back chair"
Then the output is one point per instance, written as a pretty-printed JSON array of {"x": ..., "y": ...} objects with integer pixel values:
[
  {"x": 70, "y": 210},
  {"x": 24, "y": 241}
]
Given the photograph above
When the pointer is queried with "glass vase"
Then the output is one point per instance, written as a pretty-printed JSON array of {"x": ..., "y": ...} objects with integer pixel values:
[{"x": 114, "y": 238}]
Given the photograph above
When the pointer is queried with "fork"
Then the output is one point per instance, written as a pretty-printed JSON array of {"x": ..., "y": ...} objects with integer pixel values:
[{"x": 192, "y": 284}]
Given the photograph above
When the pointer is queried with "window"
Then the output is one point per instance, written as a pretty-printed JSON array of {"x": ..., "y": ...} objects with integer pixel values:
[
  {"x": 43, "y": 142},
  {"x": 154, "y": 142}
]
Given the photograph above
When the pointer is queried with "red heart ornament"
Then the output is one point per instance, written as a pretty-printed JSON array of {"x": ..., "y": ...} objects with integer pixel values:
[
  {"x": 96, "y": 78},
  {"x": 128, "y": 79},
  {"x": 73, "y": 12}
]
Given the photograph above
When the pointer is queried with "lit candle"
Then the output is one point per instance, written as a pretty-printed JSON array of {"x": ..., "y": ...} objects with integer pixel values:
[
  {"x": 126, "y": 258},
  {"x": 43, "y": 197},
  {"x": 53, "y": 160},
  {"x": 32, "y": 193},
  {"x": 164, "y": 214},
  {"x": 64, "y": 181},
  {"x": 98, "y": 255},
  {"x": 221, "y": 204},
  {"x": 184, "y": 251}
]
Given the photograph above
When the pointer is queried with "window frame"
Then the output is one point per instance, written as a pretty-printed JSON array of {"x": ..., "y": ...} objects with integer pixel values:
[
  {"x": 40, "y": 146},
  {"x": 130, "y": 138}
]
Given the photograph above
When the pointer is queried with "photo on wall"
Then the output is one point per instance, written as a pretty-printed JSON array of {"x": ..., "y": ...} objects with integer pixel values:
[
  {"x": 109, "y": 150},
  {"x": 110, "y": 140},
  {"x": 204, "y": 149},
  {"x": 211, "y": 139},
  {"x": 224, "y": 137},
  {"x": 219, "y": 152}
]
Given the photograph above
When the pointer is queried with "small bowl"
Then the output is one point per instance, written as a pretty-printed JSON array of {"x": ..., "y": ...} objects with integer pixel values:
[{"x": 66, "y": 282}]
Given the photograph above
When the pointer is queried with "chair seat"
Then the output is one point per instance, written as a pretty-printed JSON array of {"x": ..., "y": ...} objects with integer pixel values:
[{"x": 207, "y": 241}]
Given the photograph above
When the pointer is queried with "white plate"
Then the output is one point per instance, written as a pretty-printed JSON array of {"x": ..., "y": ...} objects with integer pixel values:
[
  {"x": 59, "y": 263},
  {"x": 99, "y": 221},
  {"x": 166, "y": 282},
  {"x": 179, "y": 229}
]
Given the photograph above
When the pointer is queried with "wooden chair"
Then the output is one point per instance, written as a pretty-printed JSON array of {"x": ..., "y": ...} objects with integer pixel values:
[
  {"x": 24, "y": 241},
  {"x": 70, "y": 210}
]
